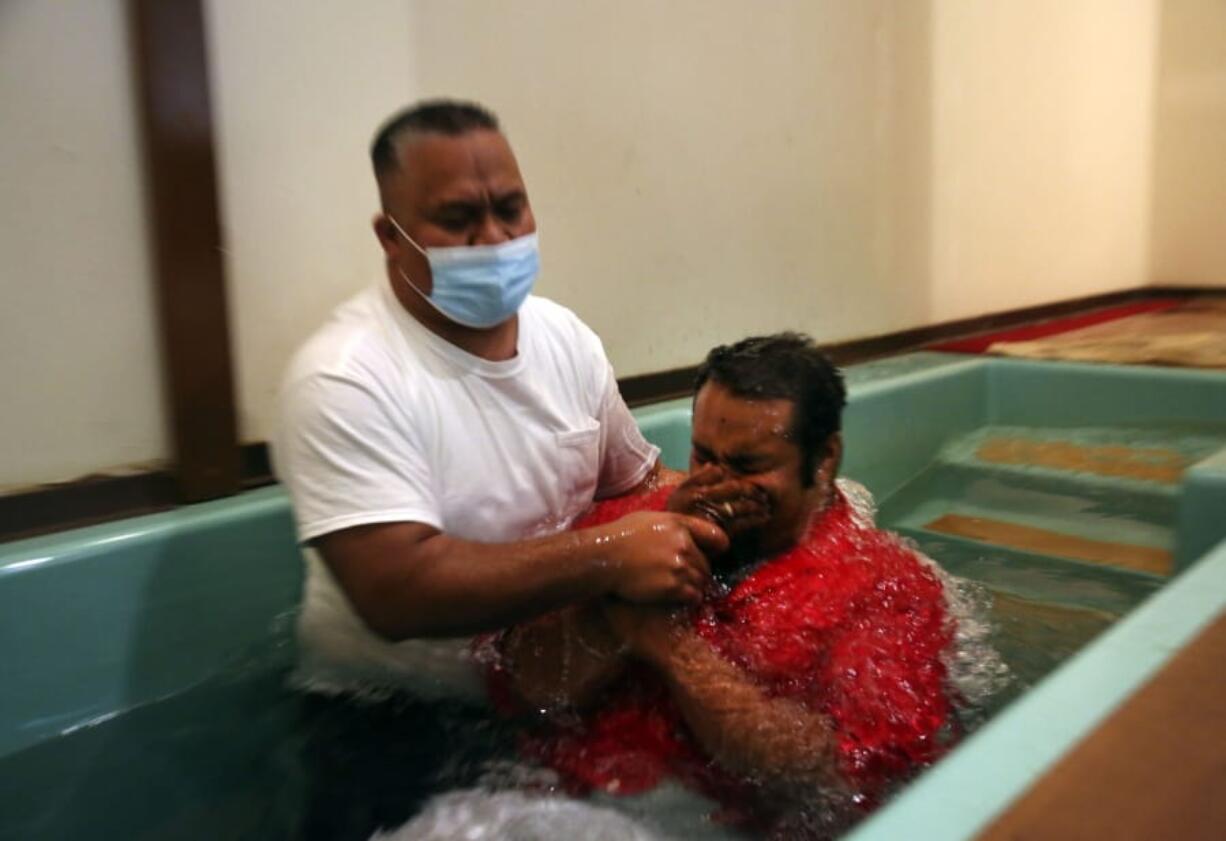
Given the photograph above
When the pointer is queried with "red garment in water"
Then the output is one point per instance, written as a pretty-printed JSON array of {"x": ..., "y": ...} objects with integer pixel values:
[{"x": 850, "y": 623}]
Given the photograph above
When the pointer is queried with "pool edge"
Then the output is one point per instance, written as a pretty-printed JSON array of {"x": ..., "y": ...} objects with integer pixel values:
[{"x": 961, "y": 795}]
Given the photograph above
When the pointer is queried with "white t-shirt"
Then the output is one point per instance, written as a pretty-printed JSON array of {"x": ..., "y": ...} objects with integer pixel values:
[{"x": 383, "y": 421}]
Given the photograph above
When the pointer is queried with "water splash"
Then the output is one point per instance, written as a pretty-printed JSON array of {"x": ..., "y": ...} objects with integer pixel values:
[
  {"x": 478, "y": 815},
  {"x": 976, "y": 669}
]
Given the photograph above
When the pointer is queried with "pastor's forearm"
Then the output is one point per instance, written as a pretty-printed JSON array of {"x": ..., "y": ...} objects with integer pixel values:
[{"x": 405, "y": 583}]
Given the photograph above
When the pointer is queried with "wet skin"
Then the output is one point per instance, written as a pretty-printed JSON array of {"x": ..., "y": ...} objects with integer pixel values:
[{"x": 744, "y": 463}]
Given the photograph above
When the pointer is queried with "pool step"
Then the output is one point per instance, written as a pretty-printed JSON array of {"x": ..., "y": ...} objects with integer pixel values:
[
  {"x": 1038, "y": 577},
  {"x": 1097, "y": 501},
  {"x": 1148, "y": 559},
  {"x": 1148, "y": 464},
  {"x": 1098, "y": 510}
]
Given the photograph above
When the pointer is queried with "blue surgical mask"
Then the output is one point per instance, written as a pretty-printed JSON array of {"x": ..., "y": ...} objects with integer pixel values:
[{"x": 478, "y": 286}]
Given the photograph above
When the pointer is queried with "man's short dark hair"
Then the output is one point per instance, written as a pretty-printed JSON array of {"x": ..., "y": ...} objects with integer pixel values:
[
  {"x": 436, "y": 116},
  {"x": 785, "y": 366}
]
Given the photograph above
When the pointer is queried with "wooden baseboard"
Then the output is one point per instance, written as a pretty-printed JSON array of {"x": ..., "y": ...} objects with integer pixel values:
[{"x": 84, "y": 502}]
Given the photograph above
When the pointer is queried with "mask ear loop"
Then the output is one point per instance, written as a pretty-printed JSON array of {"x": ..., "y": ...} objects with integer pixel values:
[
  {"x": 405, "y": 234},
  {"x": 405, "y": 277},
  {"x": 420, "y": 250}
]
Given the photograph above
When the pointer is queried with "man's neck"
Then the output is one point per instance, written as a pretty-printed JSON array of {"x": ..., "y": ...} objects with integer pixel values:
[{"x": 497, "y": 344}]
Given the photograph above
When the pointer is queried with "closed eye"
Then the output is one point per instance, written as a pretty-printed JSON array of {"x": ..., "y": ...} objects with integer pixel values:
[
  {"x": 748, "y": 466},
  {"x": 509, "y": 209},
  {"x": 457, "y": 217}
]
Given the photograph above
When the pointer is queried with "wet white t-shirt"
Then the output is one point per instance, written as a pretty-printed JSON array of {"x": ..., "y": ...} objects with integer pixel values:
[{"x": 383, "y": 421}]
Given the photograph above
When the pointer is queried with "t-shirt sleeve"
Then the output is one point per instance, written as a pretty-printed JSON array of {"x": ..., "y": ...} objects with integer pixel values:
[
  {"x": 626, "y": 457},
  {"x": 346, "y": 462}
]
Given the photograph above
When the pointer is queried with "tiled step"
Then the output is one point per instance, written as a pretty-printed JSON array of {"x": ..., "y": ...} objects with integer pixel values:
[
  {"x": 1046, "y": 542},
  {"x": 1097, "y": 511},
  {"x": 1130, "y": 452},
  {"x": 1036, "y": 577},
  {"x": 1094, "y": 495},
  {"x": 1163, "y": 465}
]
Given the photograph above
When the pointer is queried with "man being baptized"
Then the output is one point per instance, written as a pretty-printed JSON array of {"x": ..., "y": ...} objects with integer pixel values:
[{"x": 816, "y": 661}]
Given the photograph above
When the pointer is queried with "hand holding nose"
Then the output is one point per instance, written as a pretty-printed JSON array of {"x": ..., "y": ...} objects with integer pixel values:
[{"x": 733, "y": 504}]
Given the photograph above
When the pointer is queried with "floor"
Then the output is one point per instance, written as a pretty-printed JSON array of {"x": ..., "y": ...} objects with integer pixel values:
[
  {"x": 1156, "y": 768},
  {"x": 1190, "y": 334}
]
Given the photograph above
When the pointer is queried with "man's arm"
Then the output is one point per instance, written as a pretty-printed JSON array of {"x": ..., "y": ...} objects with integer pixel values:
[
  {"x": 567, "y": 658},
  {"x": 563, "y": 659},
  {"x": 731, "y": 716},
  {"x": 411, "y": 580}
]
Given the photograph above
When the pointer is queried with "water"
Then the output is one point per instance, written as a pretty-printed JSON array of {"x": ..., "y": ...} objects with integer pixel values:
[
  {"x": 1117, "y": 484},
  {"x": 242, "y": 756}
]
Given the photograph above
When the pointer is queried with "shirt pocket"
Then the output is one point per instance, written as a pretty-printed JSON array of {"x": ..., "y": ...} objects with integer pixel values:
[{"x": 578, "y": 468}]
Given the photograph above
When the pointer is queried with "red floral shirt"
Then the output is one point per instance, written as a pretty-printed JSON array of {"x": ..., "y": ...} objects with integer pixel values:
[{"x": 850, "y": 622}]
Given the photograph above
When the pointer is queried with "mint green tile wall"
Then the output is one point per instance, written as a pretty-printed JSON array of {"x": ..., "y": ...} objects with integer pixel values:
[
  {"x": 892, "y": 427},
  {"x": 99, "y": 619}
]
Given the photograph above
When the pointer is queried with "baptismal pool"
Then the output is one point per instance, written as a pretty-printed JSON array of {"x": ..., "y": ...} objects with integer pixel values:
[{"x": 145, "y": 661}]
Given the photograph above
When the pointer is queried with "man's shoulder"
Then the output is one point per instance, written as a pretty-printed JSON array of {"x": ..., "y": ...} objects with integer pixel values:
[
  {"x": 350, "y": 345},
  {"x": 553, "y": 323}
]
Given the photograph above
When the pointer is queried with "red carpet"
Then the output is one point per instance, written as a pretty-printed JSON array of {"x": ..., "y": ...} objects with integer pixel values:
[{"x": 980, "y": 343}]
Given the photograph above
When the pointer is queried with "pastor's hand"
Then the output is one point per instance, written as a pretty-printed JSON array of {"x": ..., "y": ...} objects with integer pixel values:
[{"x": 658, "y": 557}]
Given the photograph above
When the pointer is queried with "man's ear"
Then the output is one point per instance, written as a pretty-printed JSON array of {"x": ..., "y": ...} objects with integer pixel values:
[
  {"x": 389, "y": 238},
  {"x": 828, "y": 468}
]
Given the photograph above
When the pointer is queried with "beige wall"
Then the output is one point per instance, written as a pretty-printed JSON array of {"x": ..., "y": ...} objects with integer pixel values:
[
  {"x": 705, "y": 170},
  {"x": 1189, "y": 230},
  {"x": 79, "y": 367},
  {"x": 701, "y": 169},
  {"x": 296, "y": 96},
  {"x": 1041, "y": 150}
]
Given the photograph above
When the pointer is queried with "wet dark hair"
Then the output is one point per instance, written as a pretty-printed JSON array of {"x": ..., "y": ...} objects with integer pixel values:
[
  {"x": 785, "y": 366},
  {"x": 435, "y": 116}
]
